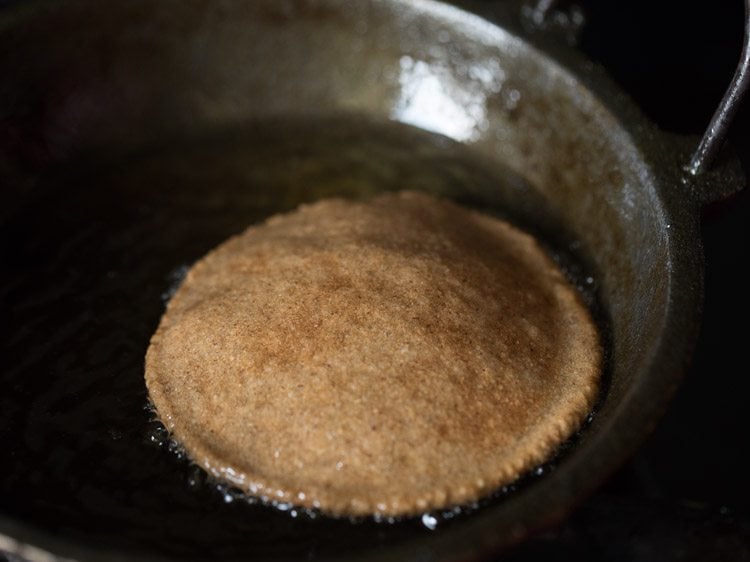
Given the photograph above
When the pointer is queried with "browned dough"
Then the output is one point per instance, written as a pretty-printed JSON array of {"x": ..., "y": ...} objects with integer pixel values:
[{"x": 389, "y": 356}]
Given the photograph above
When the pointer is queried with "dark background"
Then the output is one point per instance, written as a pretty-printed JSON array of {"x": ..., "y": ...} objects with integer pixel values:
[{"x": 685, "y": 496}]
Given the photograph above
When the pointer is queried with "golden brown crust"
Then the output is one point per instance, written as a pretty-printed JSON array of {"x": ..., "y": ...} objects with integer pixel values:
[{"x": 390, "y": 356}]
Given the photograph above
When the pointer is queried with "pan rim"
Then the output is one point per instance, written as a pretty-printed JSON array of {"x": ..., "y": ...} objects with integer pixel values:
[{"x": 685, "y": 290}]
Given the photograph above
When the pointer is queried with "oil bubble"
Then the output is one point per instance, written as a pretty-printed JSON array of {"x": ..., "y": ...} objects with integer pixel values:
[{"x": 429, "y": 521}]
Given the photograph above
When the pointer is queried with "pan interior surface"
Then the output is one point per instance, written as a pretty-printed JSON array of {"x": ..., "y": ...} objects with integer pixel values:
[
  {"x": 108, "y": 245},
  {"x": 152, "y": 135}
]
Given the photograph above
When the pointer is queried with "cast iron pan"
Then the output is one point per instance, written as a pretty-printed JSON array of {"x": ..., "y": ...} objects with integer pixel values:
[{"x": 136, "y": 135}]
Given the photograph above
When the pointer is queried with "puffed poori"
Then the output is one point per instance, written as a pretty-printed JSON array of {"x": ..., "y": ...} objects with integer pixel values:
[{"x": 389, "y": 356}]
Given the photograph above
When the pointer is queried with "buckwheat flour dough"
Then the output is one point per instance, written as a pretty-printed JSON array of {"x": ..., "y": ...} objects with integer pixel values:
[{"x": 389, "y": 356}]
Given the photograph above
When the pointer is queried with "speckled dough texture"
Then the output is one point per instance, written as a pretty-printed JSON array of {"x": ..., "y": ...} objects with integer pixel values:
[{"x": 385, "y": 357}]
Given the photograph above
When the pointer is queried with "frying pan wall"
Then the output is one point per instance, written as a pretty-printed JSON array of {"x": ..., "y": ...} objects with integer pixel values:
[{"x": 86, "y": 86}]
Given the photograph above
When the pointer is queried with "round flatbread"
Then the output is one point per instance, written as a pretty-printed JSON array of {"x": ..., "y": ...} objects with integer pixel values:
[{"x": 389, "y": 357}]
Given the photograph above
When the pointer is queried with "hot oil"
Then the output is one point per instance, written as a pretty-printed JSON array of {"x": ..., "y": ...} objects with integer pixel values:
[{"x": 93, "y": 257}]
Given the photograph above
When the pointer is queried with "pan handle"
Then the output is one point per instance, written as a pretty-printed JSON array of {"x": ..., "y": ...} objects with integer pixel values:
[
  {"x": 716, "y": 133},
  {"x": 713, "y": 139}
]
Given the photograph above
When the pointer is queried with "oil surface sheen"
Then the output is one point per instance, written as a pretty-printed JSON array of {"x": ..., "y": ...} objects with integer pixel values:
[{"x": 90, "y": 258}]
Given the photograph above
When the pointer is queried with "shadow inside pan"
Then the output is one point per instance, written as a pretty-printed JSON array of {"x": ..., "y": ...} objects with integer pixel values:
[{"x": 91, "y": 257}]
